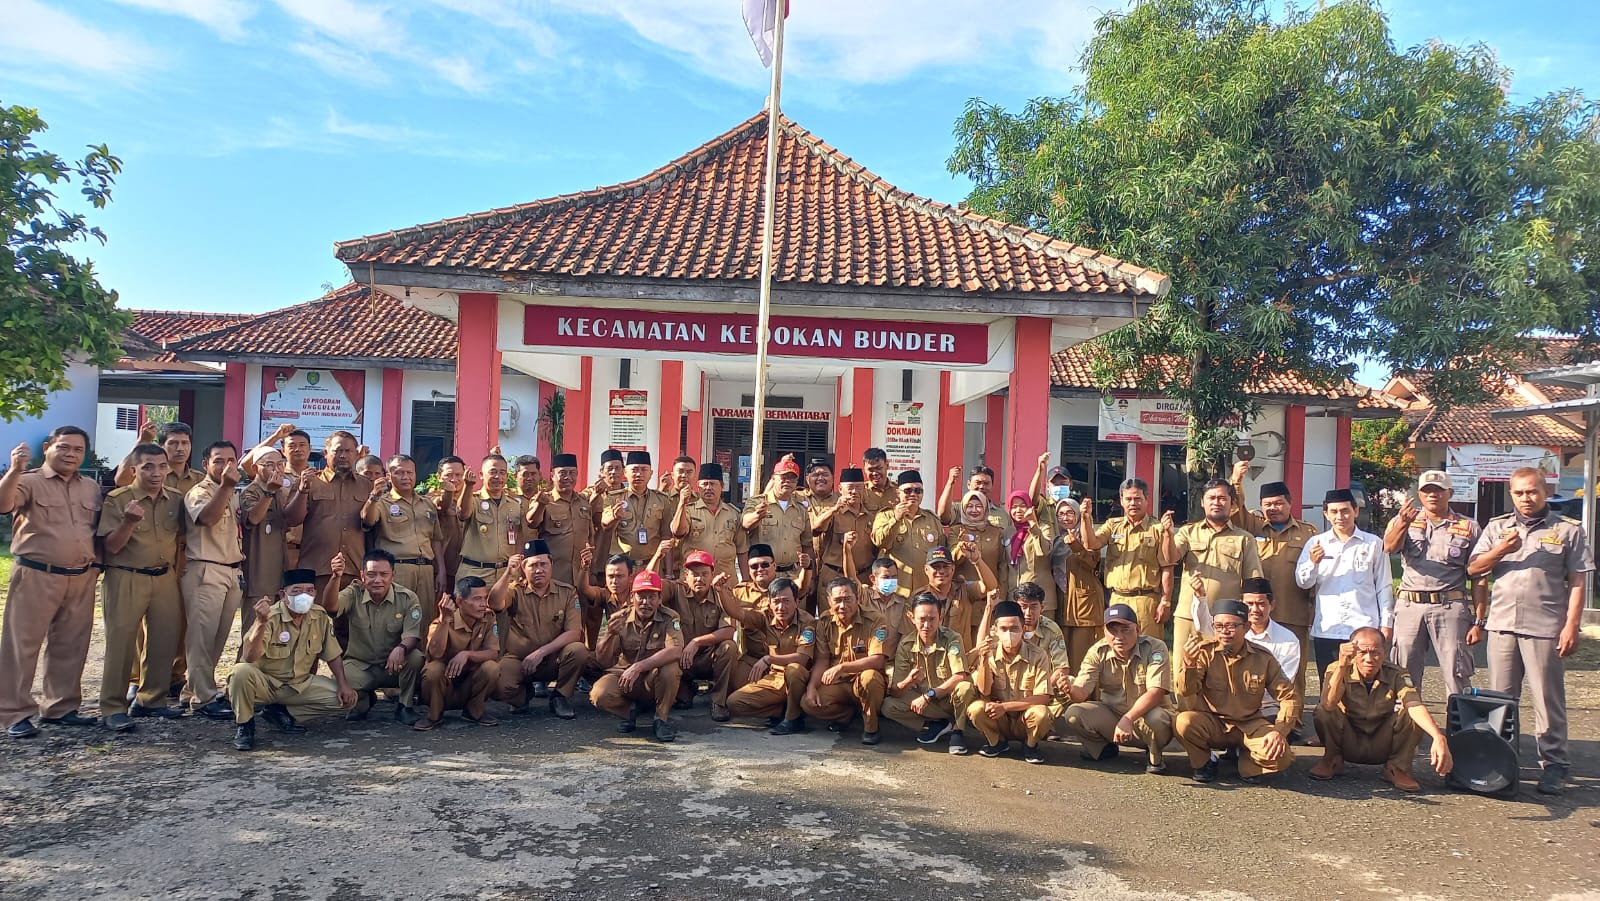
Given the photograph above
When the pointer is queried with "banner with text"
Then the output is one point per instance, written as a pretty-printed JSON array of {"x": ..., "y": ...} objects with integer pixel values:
[
  {"x": 1147, "y": 420},
  {"x": 630, "y": 411},
  {"x": 1492, "y": 463},
  {"x": 902, "y": 440},
  {"x": 318, "y": 401},
  {"x": 772, "y": 415}
]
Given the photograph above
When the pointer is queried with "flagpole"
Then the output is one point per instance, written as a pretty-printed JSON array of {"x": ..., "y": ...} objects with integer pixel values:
[{"x": 768, "y": 215}]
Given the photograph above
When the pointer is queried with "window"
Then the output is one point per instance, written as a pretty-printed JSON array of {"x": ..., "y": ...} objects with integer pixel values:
[
  {"x": 127, "y": 419},
  {"x": 1097, "y": 467}
]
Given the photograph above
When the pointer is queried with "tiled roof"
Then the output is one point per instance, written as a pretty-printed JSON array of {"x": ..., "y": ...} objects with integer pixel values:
[
  {"x": 699, "y": 217},
  {"x": 1070, "y": 369},
  {"x": 352, "y": 321},
  {"x": 161, "y": 326},
  {"x": 1473, "y": 424}
]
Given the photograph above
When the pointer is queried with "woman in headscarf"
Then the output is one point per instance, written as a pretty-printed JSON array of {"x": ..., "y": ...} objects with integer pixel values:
[
  {"x": 1028, "y": 549},
  {"x": 972, "y": 532},
  {"x": 1075, "y": 570}
]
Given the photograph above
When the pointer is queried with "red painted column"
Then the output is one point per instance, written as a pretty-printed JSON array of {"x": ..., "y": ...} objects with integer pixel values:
[
  {"x": 994, "y": 435},
  {"x": 185, "y": 407},
  {"x": 670, "y": 414},
  {"x": 233, "y": 404},
  {"x": 1294, "y": 455},
  {"x": 394, "y": 382},
  {"x": 1341, "y": 453},
  {"x": 951, "y": 439},
  {"x": 844, "y": 450},
  {"x": 1028, "y": 407},
  {"x": 541, "y": 441},
  {"x": 861, "y": 410},
  {"x": 697, "y": 423},
  {"x": 1145, "y": 459},
  {"x": 477, "y": 376},
  {"x": 575, "y": 429}
]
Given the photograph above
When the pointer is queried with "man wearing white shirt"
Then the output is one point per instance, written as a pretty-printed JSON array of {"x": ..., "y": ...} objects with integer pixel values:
[{"x": 1349, "y": 572}]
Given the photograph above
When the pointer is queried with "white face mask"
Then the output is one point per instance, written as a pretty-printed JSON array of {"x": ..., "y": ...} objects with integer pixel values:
[
  {"x": 299, "y": 604},
  {"x": 888, "y": 586}
]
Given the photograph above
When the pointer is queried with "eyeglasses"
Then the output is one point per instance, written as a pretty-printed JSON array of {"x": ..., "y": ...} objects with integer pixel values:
[
  {"x": 762, "y": 565},
  {"x": 1226, "y": 627},
  {"x": 911, "y": 491}
]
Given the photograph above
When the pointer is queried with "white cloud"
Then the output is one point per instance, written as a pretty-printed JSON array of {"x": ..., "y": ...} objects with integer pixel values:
[
  {"x": 225, "y": 17},
  {"x": 339, "y": 60},
  {"x": 356, "y": 24},
  {"x": 37, "y": 35},
  {"x": 461, "y": 73},
  {"x": 336, "y": 125}
]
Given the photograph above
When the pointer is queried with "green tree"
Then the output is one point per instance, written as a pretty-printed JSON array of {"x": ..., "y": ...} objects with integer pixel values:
[
  {"x": 1381, "y": 461},
  {"x": 52, "y": 307},
  {"x": 1316, "y": 195}
]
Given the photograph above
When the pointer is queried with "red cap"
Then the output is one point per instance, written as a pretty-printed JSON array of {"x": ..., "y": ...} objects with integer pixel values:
[
  {"x": 787, "y": 464},
  {"x": 703, "y": 558},
  {"x": 647, "y": 581}
]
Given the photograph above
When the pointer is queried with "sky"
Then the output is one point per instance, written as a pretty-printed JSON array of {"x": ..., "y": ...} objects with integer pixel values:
[{"x": 256, "y": 133}]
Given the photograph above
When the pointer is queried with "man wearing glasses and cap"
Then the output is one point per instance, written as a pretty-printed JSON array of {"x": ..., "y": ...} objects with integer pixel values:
[
  {"x": 1432, "y": 608},
  {"x": 844, "y": 531},
  {"x": 702, "y": 522},
  {"x": 641, "y": 649},
  {"x": 563, "y": 518},
  {"x": 1122, "y": 692},
  {"x": 776, "y": 518},
  {"x": 1226, "y": 680},
  {"x": 906, "y": 532}
]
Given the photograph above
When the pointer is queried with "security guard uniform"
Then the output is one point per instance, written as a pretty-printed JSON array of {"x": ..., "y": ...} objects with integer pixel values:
[{"x": 1434, "y": 607}]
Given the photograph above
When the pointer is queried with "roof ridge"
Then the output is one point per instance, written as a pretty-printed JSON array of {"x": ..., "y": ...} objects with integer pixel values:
[{"x": 336, "y": 294}]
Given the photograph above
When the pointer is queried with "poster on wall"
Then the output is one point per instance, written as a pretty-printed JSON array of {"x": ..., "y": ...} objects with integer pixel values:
[
  {"x": 1148, "y": 420},
  {"x": 902, "y": 442},
  {"x": 318, "y": 401},
  {"x": 629, "y": 410},
  {"x": 1494, "y": 463}
]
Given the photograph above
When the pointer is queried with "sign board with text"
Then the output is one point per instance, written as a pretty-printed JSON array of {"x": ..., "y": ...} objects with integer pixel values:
[
  {"x": 1494, "y": 463},
  {"x": 1147, "y": 420},
  {"x": 630, "y": 411},
  {"x": 902, "y": 442},
  {"x": 317, "y": 401}
]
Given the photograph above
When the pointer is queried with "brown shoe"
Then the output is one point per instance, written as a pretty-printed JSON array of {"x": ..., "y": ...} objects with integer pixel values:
[
  {"x": 1328, "y": 767},
  {"x": 487, "y": 719},
  {"x": 425, "y": 724},
  {"x": 1400, "y": 779}
]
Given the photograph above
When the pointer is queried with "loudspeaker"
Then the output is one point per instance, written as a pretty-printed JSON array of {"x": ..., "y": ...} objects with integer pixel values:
[{"x": 1481, "y": 730}]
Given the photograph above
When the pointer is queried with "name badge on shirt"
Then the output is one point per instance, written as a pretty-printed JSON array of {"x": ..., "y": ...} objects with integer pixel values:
[
  {"x": 268, "y": 529},
  {"x": 394, "y": 509},
  {"x": 644, "y": 537}
]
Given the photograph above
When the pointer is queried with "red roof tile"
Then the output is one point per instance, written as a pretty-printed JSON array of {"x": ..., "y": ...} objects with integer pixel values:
[
  {"x": 352, "y": 321},
  {"x": 1070, "y": 369},
  {"x": 161, "y": 326},
  {"x": 1473, "y": 424},
  {"x": 699, "y": 217}
]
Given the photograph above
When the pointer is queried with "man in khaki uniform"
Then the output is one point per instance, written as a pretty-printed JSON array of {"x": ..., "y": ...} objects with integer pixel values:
[
  {"x": 847, "y": 670},
  {"x": 448, "y": 499},
  {"x": 962, "y": 601},
  {"x": 406, "y": 524},
  {"x": 883, "y": 605},
  {"x": 1012, "y": 679},
  {"x": 1370, "y": 713},
  {"x": 642, "y": 650},
  {"x": 212, "y": 592},
  {"x": 493, "y": 518},
  {"x": 637, "y": 518},
  {"x": 1280, "y": 538},
  {"x": 543, "y": 641},
  {"x": 905, "y": 533},
  {"x": 930, "y": 689},
  {"x": 1134, "y": 570},
  {"x": 463, "y": 656},
  {"x": 139, "y": 526},
  {"x": 278, "y": 663},
  {"x": 779, "y": 642},
  {"x": 564, "y": 521},
  {"x": 878, "y": 492},
  {"x": 843, "y": 531},
  {"x": 385, "y": 621},
  {"x": 708, "y": 650},
  {"x": 1432, "y": 608},
  {"x": 51, "y": 595},
  {"x": 1038, "y": 630},
  {"x": 1226, "y": 679},
  {"x": 1221, "y": 554},
  {"x": 1121, "y": 693},
  {"x": 334, "y": 498},
  {"x": 702, "y": 522},
  {"x": 264, "y": 512},
  {"x": 777, "y": 519}
]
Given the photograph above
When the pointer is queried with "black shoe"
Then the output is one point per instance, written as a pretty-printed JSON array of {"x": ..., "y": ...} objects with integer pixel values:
[
  {"x": 664, "y": 731},
  {"x": 958, "y": 743},
  {"x": 70, "y": 718},
  {"x": 1032, "y": 754},
  {"x": 174, "y": 692},
  {"x": 989, "y": 750},
  {"x": 1155, "y": 769},
  {"x": 773, "y": 721},
  {"x": 584, "y": 687},
  {"x": 1206, "y": 773},
  {"x": 524, "y": 710},
  {"x": 1109, "y": 752},
  {"x": 932, "y": 731},
  {"x": 139, "y": 711},
  {"x": 540, "y": 689},
  {"x": 1249, "y": 780},
  {"x": 217, "y": 709},
  {"x": 788, "y": 727},
  {"x": 560, "y": 707},
  {"x": 719, "y": 713},
  {"x": 407, "y": 716},
  {"x": 364, "y": 702},
  {"x": 631, "y": 723},
  {"x": 119, "y": 722},
  {"x": 22, "y": 729},
  {"x": 244, "y": 737},
  {"x": 838, "y": 726},
  {"x": 1553, "y": 780},
  {"x": 280, "y": 719},
  {"x": 870, "y": 738},
  {"x": 681, "y": 704}
]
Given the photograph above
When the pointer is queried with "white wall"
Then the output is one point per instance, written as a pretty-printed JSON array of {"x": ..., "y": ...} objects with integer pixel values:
[
  {"x": 1321, "y": 442},
  {"x": 111, "y": 442},
  {"x": 523, "y": 390},
  {"x": 644, "y": 375},
  {"x": 886, "y": 389},
  {"x": 78, "y": 405}
]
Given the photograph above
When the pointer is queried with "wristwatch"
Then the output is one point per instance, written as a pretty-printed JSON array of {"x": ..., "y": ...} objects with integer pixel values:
[
  {"x": 932, "y": 695},
  {"x": 1480, "y": 623}
]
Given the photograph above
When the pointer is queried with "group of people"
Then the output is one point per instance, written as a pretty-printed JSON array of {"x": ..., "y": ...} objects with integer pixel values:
[{"x": 829, "y": 596}]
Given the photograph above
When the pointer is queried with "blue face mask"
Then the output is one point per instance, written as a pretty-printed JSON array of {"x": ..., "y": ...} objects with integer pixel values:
[
  {"x": 888, "y": 586},
  {"x": 1059, "y": 493}
]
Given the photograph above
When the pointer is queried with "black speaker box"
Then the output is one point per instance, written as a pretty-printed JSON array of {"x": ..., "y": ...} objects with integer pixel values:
[{"x": 1482, "y": 728}]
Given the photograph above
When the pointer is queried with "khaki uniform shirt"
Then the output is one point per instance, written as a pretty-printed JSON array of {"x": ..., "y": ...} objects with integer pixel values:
[
  {"x": 566, "y": 524},
  {"x": 847, "y": 644},
  {"x": 1133, "y": 554},
  {"x": 1224, "y": 559},
  {"x": 1374, "y": 707},
  {"x": 889, "y": 612},
  {"x": 1533, "y": 583},
  {"x": 217, "y": 543},
  {"x": 1083, "y": 601},
  {"x": 1433, "y": 555},
  {"x": 183, "y": 481},
  {"x": 763, "y": 638},
  {"x": 488, "y": 526},
  {"x": 907, "y": 542},
  {"x": 878, "y": 499},
  {"x": 715, "y": 533},
  {"x": 639, "y": 639},
  {"x": 1022, "y": 676},
  {"x": 750, "y": 596},
  {"x": 407, "y": 527},
  {"x": 939, "y": 661},
  {"x": 333, "y": 519},
  {"x": 1118, "y": 683},
  {"x": 1279, "y": 551},
  {"x": 534, "y": 620},
  {"x": 265, "y": 543},
  {"x": 377, "y": 628},
  {"x": 54, "y": 518},
  {"x": 696, "y": 616},
  {"x": 290, "y": 653},
  {"x": 647, "y": 520},
  {"x": 1233, "y": 685},
  {"x": 788, "y": 531},
  {"x": 154, "y": 542},
  {"x": 450, "y": 524},
  {"x": 1048, "y": 637},
  {"x": 830, "y": 544},
  {"x": 993, "y": 549},
  {"x": 963, "y": 608},
  {"x": 458, "y": 636}
]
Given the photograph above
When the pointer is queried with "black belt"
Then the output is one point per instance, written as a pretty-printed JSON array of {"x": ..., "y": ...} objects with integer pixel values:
[
  {"x": 1145, "y": 592},
  {"x": 480, "y": 564},
  {"x": 416, "y": 561},
  {"x": 789, "y": 569},
  {"x": 147, "y": 571},
  {"x": 1447, "y": 596},
  {"x": 55, "y": 570},
  {"x": 215, "y": 563}
]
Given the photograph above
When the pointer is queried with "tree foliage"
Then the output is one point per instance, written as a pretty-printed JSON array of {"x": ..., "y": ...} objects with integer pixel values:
[
  {"x": 52, "y": 307},
  {"x": 1381, "y": 461},
  {"x": 1316, "y": 195}
]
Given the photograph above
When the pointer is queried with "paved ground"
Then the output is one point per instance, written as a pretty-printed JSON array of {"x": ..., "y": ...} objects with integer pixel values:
[{"x": 538, "y": 808}]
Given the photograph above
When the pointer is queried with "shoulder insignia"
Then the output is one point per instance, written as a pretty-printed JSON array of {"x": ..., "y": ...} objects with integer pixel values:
[
  {"x": 1058, "y": 646},
  {"x": 807, "y": 636},
  {"x": 1158, "y": 657},
  {"x": 955, "y": 647},
  {"x": 416, "y": 613},
  {"x": 881, "y": 634},
  {"x": 675, "y": 626}
]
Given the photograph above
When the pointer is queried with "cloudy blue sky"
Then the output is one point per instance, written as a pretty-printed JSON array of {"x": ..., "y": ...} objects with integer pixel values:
[{"x": 255, "y": 133}]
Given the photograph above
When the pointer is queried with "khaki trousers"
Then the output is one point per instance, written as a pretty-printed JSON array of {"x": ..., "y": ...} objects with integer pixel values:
[
  {"x": 716, "y": 664},
  {"x": 563, "y": 668},
  {"x": 211, "y": 598},
  {"x": 420, "y": 579},
  {"x": 468, "y": 691},
  {"x": 863, "y": 691},
  {"x": 953, "y": 708},
  {"x": 659, "y": 685},
  {"x": 1095, "y": 725},
  {"x": 777, "y": 693},
  {"x": 1079, "y": 640},
  {"x": 52, "y": 614},
  {"x": 248, "y": 688},
  {"x": 364, "y": 676},
  {"x": 1144, "y": 606},
  {"x": 1030, "y": 726},
  {"x": 1200, "y": 731},
  {"x": 1393, "y": 742},
  {"x": 135, "y": 606}
]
